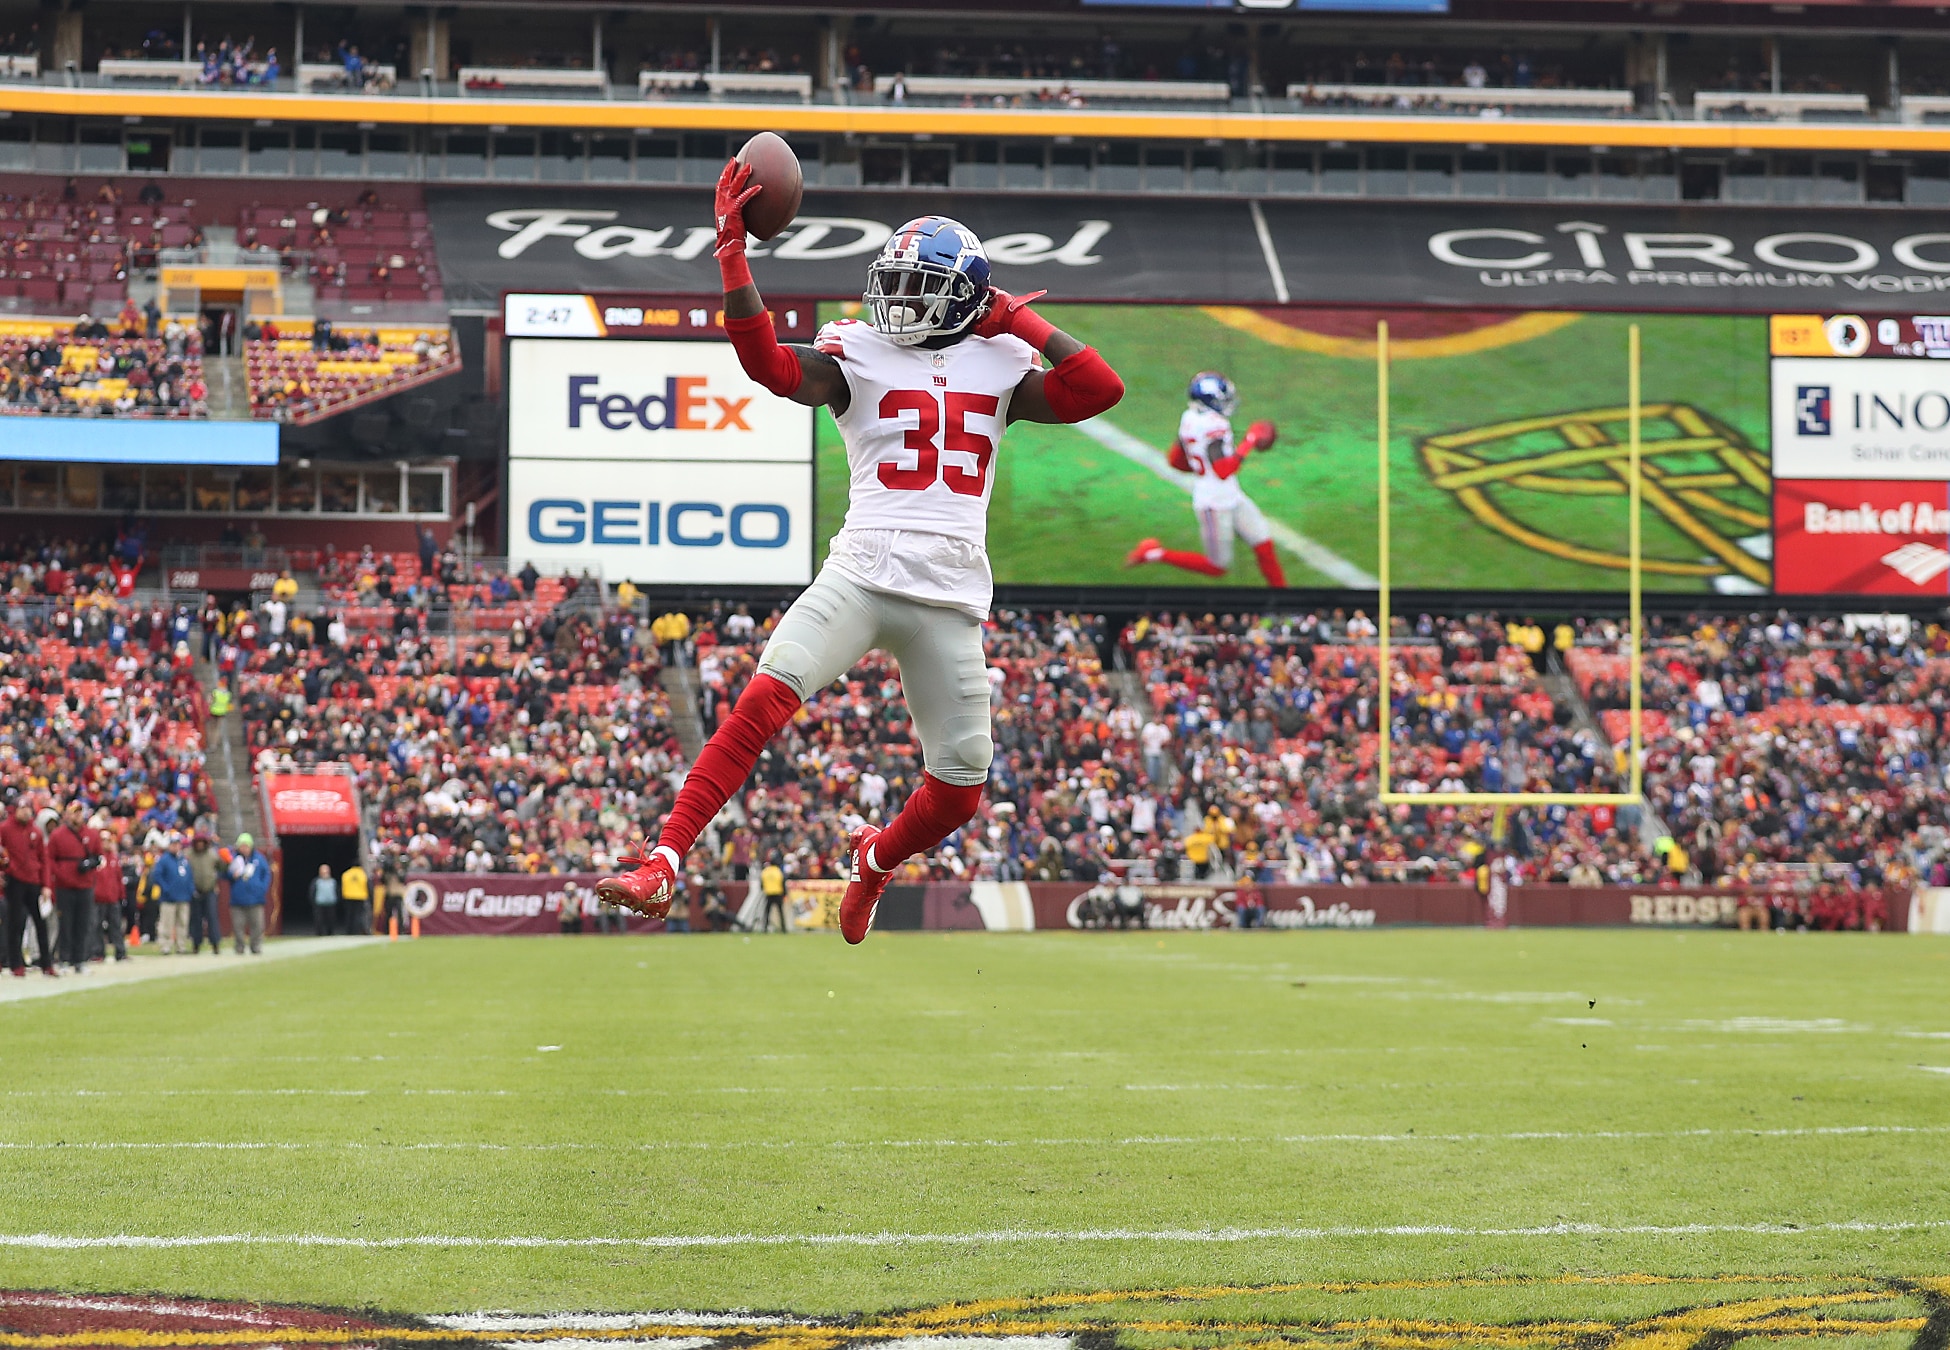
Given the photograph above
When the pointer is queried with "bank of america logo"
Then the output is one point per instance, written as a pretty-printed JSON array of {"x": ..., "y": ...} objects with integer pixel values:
[
  {"x": 1813, "y": 410},
  {"x": 1919, "y": 564}
]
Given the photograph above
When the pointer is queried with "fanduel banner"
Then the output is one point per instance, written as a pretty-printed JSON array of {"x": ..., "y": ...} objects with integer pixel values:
[
  {"x": 498, "y": 239},
  {"x": 1585, "y": 255}
]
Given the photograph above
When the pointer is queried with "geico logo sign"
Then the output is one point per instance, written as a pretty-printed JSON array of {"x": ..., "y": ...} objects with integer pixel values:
[
  {"x": 1921, "y": 517},
  {"x": 683, "y": 405},
  {"x": 564, "y": 520}
]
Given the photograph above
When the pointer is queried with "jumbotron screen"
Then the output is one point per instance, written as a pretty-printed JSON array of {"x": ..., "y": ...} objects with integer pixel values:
[{"x": 1507, "y": 463}]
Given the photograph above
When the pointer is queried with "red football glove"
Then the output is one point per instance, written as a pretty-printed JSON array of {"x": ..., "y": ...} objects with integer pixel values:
[
  {"x": 729, "y": 207},
  {"x": 1259, "y": 436},
  {"x": 1011, "y": 314}
]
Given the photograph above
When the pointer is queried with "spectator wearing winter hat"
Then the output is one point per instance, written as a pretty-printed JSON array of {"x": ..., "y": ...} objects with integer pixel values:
[
  {"x": 250, "y": 887},
  {"x": 203, "y": 864}
]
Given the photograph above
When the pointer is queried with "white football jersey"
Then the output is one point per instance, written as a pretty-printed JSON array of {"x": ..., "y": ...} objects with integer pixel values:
[
  {"x": 1207, "y": 436},
  {"x": 921, "y": 431}
]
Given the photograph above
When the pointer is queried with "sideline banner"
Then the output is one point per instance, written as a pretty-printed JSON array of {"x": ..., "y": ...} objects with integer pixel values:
[
  {"x": 1571, "y": 255},
  {"x": 491, "y": 903},
  {"x": 1206, "y": 905}
]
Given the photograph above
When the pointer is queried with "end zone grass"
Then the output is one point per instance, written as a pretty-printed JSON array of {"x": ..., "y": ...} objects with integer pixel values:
[{"x": 977, "y": 1116}]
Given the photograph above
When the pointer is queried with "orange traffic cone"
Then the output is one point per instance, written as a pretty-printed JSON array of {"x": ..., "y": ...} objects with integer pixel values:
[
  {"x": 392, "y": 928},
  {"x": 416, "y": 925}
]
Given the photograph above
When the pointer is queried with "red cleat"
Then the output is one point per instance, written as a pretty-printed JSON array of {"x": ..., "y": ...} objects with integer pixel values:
[
  {"x": 864, "y": 885},
  {"x": 649, "y": 889},
  {"x": 1146, "y": 551}
]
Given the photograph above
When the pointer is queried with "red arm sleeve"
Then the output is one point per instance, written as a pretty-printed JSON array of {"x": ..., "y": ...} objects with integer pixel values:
[
  {"x": 757, "y": 343},
  {"x": 1176, "y": 455},
  {"x": 1227, "y": 466},
  {"x": 1082, "y": 385}
]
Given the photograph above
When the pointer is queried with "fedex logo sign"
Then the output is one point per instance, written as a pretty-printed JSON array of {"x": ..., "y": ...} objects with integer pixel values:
[
  {"x": 630, "y": 401},
  {"x": 682, "y": 405}
]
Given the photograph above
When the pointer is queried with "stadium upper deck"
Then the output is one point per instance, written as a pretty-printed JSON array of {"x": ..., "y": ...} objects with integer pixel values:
[{"x": 1734, "y": 101}]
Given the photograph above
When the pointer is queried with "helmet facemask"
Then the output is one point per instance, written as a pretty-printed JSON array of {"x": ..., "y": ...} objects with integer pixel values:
[{"x": 909, "y": 301}]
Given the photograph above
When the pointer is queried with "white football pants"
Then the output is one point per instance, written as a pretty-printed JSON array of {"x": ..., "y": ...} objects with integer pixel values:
[{"x": 944, "y": 675}]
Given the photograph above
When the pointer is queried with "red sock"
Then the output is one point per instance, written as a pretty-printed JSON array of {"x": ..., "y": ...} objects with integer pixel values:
[
  {"x": 1191, "y": 562},
  {"x": 935, "y": 811},
  {"x": 1269, "y": 563},
  {"x": 727, "y": 758}
]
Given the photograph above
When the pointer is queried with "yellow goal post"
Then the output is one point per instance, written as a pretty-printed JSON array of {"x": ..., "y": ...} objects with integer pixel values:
[{"x": 1385, "y": 667}]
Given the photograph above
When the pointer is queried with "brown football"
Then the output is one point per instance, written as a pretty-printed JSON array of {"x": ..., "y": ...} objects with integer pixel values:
[{"x": 776, "y": 169}]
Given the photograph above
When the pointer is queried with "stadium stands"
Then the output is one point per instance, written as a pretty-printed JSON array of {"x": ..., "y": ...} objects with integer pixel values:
[
  {"x": 372, "y": 251},
  {"x": 517, "y": 752},
  {"x": 72, "y": 257},
  {"x": 92, "y": 368},
  {"x": 96, "y": 701},
  {"x": 299, "y": 370}
]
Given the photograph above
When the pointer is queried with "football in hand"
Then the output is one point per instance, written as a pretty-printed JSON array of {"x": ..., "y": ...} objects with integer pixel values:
[
  {"x": 775, "y": 169},
  {"x": 1262, "y": 434}
]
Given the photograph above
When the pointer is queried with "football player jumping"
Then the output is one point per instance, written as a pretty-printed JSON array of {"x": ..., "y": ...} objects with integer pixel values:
[
  {"x": 1205, "y": 450},
  {"x": 921, "y": 394}
]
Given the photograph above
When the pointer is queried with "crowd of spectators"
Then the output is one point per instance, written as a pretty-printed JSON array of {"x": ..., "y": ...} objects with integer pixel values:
[
  {"x": 237, "y": 65},
  {"x": 1772, "y": 742},
  {"x": 62, "y": 254},
  {"x": 101, "y": 717},
  {"x": 135, "y": 366},
  {"x": 299, "y": 370},
  {"x": 1800, "y": 755},
  {"x": 1251, "y": 746},
  {"x": 541, "y": 749}
]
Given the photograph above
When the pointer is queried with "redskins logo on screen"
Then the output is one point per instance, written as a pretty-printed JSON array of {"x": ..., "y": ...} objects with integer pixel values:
[{"x": 1700, "y": 477}]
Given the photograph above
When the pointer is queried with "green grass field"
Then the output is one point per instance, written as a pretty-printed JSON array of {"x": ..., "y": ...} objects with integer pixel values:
[
  {"x": 1067, "y": 509},
  {"x": 1475, "y": 1129}
]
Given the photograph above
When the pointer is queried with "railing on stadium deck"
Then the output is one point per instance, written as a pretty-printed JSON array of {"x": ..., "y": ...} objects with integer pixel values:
[
  {"x": 1635, "y": 795},
  {"x": 785, "y": 89}
]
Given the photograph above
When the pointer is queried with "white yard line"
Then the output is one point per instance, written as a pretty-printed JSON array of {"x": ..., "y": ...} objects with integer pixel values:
[
  {"x": 1311, "y": 551},
  {"x": 140, "y": 969},
  {"x": 1000, "y": 1236},
  {"x": 1273, "y": 268},
  {"x": 801, "y": 1145}
]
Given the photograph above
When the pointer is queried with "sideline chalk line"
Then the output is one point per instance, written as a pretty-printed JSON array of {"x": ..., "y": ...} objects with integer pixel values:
[{"x": 1015, "y": 1236}]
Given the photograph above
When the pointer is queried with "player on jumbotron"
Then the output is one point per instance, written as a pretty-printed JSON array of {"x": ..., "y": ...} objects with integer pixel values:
[
  {"x": 1205, "y": 450},
  {"x": 921, "y": 395}
]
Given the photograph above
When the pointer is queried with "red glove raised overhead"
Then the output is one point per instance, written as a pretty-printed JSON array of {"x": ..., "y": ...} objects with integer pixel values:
[
  {"x": 729, "y": 208},
  {"x": 1259, "y": 436},
  {"x": 1011, "y": 314}
]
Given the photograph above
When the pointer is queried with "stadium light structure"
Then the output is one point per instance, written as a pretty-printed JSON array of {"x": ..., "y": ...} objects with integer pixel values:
[{"x": 1635, "y": 495}]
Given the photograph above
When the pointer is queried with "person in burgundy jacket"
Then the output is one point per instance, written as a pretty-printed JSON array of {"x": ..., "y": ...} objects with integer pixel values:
[
  {"x": 110, "y": 922},
  {"x": 72, "y": 861},
  {"x": 26, "y": 865}
]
